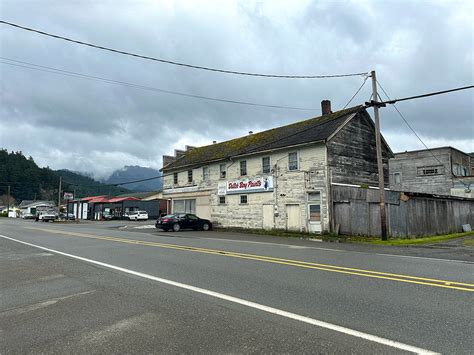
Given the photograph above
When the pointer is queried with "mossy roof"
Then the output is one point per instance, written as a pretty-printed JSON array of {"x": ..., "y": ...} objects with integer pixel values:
[{"x": 310, "y": 130}]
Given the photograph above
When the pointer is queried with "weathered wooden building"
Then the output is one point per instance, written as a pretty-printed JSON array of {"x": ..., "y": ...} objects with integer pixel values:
[
  {"x": 437, "y": 171},
  {"x": 277, "y": 179}
]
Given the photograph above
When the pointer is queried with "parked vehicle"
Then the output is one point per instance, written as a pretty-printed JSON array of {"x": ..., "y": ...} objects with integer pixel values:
[
  {"x": 46, "y": 216},
  {"x": 180, "y": 221},
  {"x": 138, "y": 216},
  {"x": 107, "y": 216},
  {"x": 68, "y": 216}
]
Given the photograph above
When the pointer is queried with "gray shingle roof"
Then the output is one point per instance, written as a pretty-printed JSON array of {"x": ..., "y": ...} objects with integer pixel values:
[{"x": 311, "y": 130}]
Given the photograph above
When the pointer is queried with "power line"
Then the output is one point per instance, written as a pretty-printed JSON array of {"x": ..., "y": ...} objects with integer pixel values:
[
  {"x": 392, "y": 102},
  {"x": 417, "y": 136},
  {"x": 178, "y": 63},
  {"x": 358, "y": 90},
  {"x": 69, "y": 73}
]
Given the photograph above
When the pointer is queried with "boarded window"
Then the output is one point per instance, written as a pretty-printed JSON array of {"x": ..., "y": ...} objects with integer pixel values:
[
  {"x": 397, "y": 178},
  {"x": 222, "y": 171},
  {"x": 205, "y": 173},
  {"x": 266, "y": 165},
  {"x": 243, "y": 167},
  {"x": 293, "y": 161},
  {"x": 430, "y": 170}
]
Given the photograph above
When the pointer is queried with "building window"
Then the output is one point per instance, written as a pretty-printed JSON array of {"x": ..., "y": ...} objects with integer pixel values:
[
  {"x": 205, "y": 173},
  {"x": 243, "y": 167},
  {"x": 266, "y": 165},
  {"x": 397, "y": 178},
  {"x": 459, "y": 170},
  {"x": 293, "y": 161},
  {"x": 221, "y": 200},
  {"x": 175, "y": 178},
  {"x": 222, "y": 171},
  {"x": 190, "y": 176},
  {"x": 243, "y": 199},
  {"x": 314, "y": 196},
  {"x": 430, "y": 170},
  {"x": 184, "y": 206}
]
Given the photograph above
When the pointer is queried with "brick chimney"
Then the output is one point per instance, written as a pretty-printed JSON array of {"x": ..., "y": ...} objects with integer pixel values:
[{"x": 326, "y": 107}]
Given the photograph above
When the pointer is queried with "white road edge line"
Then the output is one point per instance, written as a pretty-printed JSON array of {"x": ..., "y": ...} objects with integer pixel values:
[{"x": 268, "y": 309}]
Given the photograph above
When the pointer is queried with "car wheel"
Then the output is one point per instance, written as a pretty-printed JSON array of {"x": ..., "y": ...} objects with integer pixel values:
[
  {"x": 206, "y": 227},
  {"x": 176, "y": 227}
]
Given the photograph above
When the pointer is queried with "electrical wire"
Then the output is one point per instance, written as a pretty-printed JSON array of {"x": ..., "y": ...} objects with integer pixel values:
[
  {"x": 417, "y": 136},
  {"x": 392, "y": 102},
  {"x": 358, "y": 90},
  {"x": 178, "y": 63},
  {"x": 69, "y": 73}
]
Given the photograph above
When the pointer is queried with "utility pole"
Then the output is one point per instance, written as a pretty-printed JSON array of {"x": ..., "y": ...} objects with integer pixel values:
[
  {"x": 8, "y": 202},
  {"x": 59, "y": 195},
  {"x": 378, "y": 146}
]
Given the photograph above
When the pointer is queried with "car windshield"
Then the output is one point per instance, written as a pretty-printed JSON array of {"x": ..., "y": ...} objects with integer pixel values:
[{"x": 143, "y": 212}]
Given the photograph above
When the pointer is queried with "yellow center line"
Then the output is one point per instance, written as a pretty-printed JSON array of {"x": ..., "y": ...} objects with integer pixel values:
[{"x": 297, "y": 263}]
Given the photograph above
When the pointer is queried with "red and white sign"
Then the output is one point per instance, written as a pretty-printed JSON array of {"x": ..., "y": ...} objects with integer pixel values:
[{"x": 258, "y": 184}]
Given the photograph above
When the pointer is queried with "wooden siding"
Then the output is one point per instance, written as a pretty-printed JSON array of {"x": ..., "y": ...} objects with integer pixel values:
[
  {"x": 356, "y": 212},
  {"x": 352, "y": 157}
]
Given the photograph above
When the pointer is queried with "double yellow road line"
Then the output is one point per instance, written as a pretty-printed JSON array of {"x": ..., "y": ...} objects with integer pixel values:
[{"x": 296, "y": 263}]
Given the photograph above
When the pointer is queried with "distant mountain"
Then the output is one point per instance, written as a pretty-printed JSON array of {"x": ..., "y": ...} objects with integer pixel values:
[
  {"x": 86, "y": 186},
  {"x": 132, "y": 173}
]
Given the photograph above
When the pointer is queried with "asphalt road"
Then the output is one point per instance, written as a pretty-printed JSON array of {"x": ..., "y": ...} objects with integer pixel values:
[{"x": 94, "y": 288}]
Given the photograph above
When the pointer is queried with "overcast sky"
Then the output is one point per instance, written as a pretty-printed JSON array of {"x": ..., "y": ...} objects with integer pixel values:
[{"x": 97, "y": 127}]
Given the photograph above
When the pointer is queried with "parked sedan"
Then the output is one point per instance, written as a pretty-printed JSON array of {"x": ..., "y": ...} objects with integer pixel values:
[
  {"x": 138, "y": 216},
  {"x": 180, "y": 221}
]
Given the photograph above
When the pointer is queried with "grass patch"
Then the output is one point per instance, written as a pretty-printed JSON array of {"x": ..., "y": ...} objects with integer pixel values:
[
  {"x": 412, "y": 241},
  {"x": 469, "y": 242}
]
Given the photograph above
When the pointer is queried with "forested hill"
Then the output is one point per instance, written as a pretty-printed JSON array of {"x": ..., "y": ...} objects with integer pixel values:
[
  {"x": 25, "y": 178},
  {"x": 27, "y": 181}
]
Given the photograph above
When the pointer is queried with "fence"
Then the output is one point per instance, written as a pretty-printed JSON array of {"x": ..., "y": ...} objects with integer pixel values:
[{"x": 356, "y": 211}]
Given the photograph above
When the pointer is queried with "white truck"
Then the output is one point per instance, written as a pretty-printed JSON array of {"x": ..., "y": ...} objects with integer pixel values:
[{"x": 46, "y": 216}]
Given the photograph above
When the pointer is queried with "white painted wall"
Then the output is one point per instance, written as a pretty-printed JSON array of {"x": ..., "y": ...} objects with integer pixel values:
[{"x": 290, "y": 187}]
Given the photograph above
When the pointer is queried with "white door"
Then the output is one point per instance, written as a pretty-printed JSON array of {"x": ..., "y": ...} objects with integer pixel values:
[
  {"x": 314, "y": 212},
  {"x": 84, "y": 210},
  {"x": 293, "y": 217},
  {"x": 268, "y": 222}
]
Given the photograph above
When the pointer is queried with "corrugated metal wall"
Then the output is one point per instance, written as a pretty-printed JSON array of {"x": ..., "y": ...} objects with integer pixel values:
[{"x": 357, "y": 212}]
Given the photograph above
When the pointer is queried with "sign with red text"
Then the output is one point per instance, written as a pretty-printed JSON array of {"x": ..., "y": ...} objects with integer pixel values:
[{"x": 249, "y": 185}]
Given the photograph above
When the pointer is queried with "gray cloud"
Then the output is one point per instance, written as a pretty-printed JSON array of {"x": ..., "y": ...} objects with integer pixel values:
[{"x": 93, "y": 126}]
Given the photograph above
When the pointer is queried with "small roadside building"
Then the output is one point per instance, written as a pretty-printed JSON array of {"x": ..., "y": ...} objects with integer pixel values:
[
  {"x": 117, "y": 207},
  {"x": 443, "y": 171},
  {"x": 29, "y": 208},
  {"x": 276, "y": 179}
]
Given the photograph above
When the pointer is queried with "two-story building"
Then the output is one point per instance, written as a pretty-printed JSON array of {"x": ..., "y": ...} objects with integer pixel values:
[
  {"x": 276, "y": 179},
  {"x": 443, "y": 171}
]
